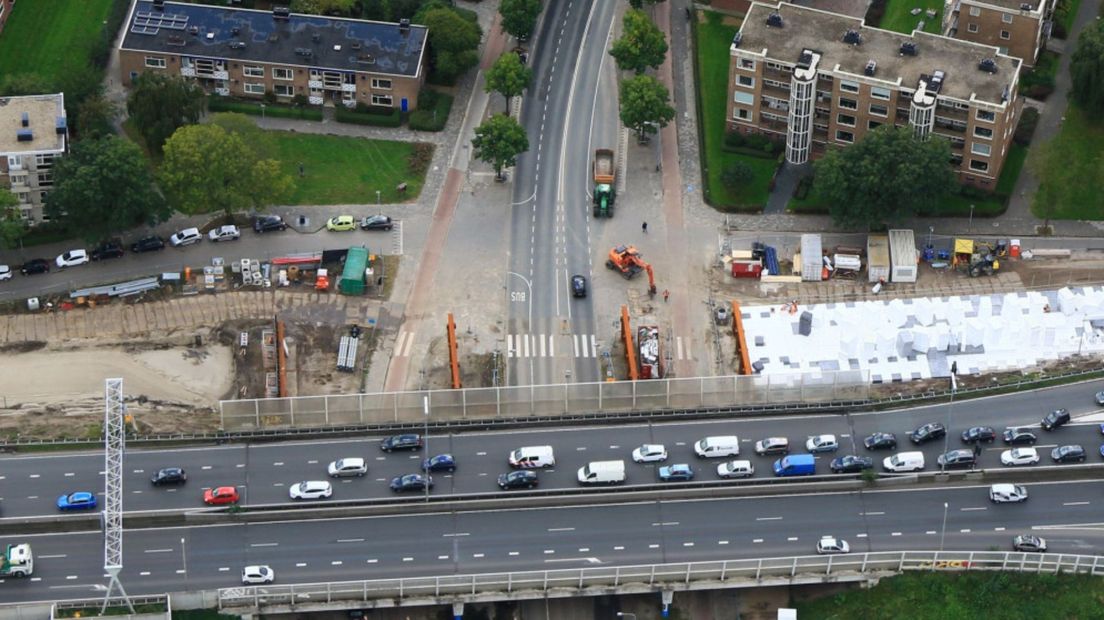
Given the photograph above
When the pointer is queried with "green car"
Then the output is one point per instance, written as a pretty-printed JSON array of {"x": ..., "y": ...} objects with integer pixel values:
[{"x": 341, "y": 222}]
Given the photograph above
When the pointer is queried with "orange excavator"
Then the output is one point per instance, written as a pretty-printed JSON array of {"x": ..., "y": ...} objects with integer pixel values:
[{"x": 627, "y": 260}]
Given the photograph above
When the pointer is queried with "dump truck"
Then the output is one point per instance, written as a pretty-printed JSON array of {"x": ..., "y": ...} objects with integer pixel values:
[
  {"x": 18, "y": 561},
  {"x": 605, "y": 178}
]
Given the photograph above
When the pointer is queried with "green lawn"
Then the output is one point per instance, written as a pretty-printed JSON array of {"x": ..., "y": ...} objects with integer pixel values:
[
  {"x": 51, "y": 37},
  {"x": 898, "y": 18},
  {"x": 965, "y": 596},
  {"x": 1079, "y": 139},
  {"x": 713, "y": 40}
]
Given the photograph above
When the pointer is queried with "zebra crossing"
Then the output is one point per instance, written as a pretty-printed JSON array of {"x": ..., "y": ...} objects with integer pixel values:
[{"x": 548, "y": 345}]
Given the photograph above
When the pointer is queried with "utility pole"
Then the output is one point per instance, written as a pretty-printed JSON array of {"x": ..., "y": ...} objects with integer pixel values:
[{"x": 114, "y": 448}]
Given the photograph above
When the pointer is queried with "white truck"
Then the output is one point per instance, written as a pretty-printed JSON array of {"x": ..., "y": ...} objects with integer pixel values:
[{"x": 18, "y": 561}]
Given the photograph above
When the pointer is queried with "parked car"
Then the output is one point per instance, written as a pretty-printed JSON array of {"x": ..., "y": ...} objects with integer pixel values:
[
  {"x": 1007, "y": 493},
  {"x": 1030, "y": 543},
  {"x": 650, "y": 453},
  {"x": 344, "y": 468},
  {"x": 410, "y": 482},
  {"x": 1020, "y": 456},
  {"x": 927, "y": 432},
  {"x": 220, "y": 496},
  {"x": 881, "y": 441},
  {"x": 736, "y": 469},
  {"x": 376, "y": 222},
  {"x": 310, "y": 489},
  {"x": 1068, "y": 454},
  {"x": 578, "y": 286},
  {"x": 81, "y": 500},
  {"x": 5, "y": 273},
  {"x": 773, "y": 445},
  {"x": 108, "y": 249},
  {"x": 680, "y": 472},
  {"x": 520, "y": 479},
  {"x": 1054, "y": 419},
  {"x": 169, "y": 475},
  {"x": 151, "y": 243},
  {"x": 72, "y": 258},
  {"x": 188, "y": 236},
  {"x": 252, "y": 575},
  {"x": 224, "y": 233},
  {"x": 830, "y": 545},
  {"x": 268, "y": 223},
  {"x": 408, "y": 441},
  {"x": 341, "y": 223},
  {"x": 957, "y": 459},
  {"x": 1100, "y": 398},
  {"x": 851, "y": 464},
  {"x": 821, "y": 443},
  {"x": 979, "y": 434},
  {"x": 441, "y": 462},
  {"x": 35, "y": 265},
  {"x": 1020, "y": 437}
]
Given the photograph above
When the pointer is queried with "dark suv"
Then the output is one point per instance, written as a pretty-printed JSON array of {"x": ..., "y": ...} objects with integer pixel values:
[
  {"x": 957, "y": 458},
  {"x": 927, "y": 432},
  {"x": 1019, "y": 437},
  {"x": 35, "y": 265},
  {"x": 148, "y": 244},
  {"x": 1068, "y": 454},
  {"x": 401, "y": 442},
  {"x": 269, "y": 223},
  {"x": 1054, "y": 419},
  {"x": 881, "y": 441},
  {"x": 107, "y": 249},
  {"x": 979, "y": 434},
  {"x": 169, "y": 475}
]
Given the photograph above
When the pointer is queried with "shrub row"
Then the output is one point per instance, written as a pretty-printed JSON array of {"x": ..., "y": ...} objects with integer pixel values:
[
  {"x": 218, "y": 103},
  {"x": 755, "y": 145},
  {"x": 433, "y": 111},
  {"x": 369, "y": 115}
]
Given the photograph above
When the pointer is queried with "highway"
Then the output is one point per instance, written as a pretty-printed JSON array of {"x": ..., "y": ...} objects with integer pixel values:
[
  {"x": 29, "y": 485},
  {"x": 192, "y": 558}
]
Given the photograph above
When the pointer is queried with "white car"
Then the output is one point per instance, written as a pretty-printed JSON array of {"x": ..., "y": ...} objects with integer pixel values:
[
  {"x": 736, "y": 469},
  {"x": 352, "y": 466},
  {"x": 188, "y": 236},
  {"x": 72, "y": 258},
  {"x": 258, "y": 574},
  {"x": 650, "y": 453},
  {"x": 772, "y": 445},
  {"x": 1020, "y": 456},
  {"x": 5, "y": 273},
  {"x": 1007, "y": 493},
  {"x": 224, "y": 233},
  {"x": 310, "y": 489},
  {"x": 822, "y": 443},
  {"x": 830, "y": 544}
]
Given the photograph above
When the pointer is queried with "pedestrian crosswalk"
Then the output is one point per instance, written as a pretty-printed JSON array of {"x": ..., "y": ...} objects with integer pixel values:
[{"x": 550, "y": 345}]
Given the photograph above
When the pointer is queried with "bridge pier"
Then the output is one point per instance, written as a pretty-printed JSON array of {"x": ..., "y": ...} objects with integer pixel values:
[
  {"x": 457, "y": 611},
  {"x": 666, "y": 596}
]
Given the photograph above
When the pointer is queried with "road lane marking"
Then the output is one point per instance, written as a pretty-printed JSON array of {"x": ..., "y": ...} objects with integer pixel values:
[
  {"x": 757, "y": 540},
  {"x": 442, "y": 557},
  {"x": 687, "y": 544},
  {"x": 239, "y": 466},
  {"x": 580, "y": 449},
  {"x": 549, "y": 551},
  {"x": 205, "y": 467},
  {"x": 998, "y": 529},
  {"x": 36, "y": 476},
  {"x": 653, "y": 546},
  {"x": 144, "y": 573},
  {"x": 722, "y": 542},
  {"x": 1075, "y": 503},
  {"x": 272, "y": 544},
  {"x": 768, "y": 518},
  {"x": 69, "y": 475},
  {"x": 336, "y": 563},
  {"x": 618, "y": 548},
  {"x": 931, "y": 532},
  {"x": 860, "y": 535},
  {"x": 477, "y": 555},
  {"x": 373, "y": 561},
  {"x": 895, "y": 533},
  {"x": 314, "y": 462},
  {"x": 408, "y": 559},
  {"x": 973, "y": 509},
  {"x": 297, "y": 565},
  {"x": 661, "y": 524},
  {"x": 226, "y": 569},
  {"x": 158, "y": 551},
  {"x": 350, "y": 540},
  {"x": 965, "y": 531},
  {"x": 481, "y": 454},
  {"x": 584, "y": 549},
  {"x": 456, "y": 534},
  {"x": 792, "y": 538},
  {"x": 514, "y": 553},
  {"x": 871, "y": 514},
  {"x": 70, "y": 577},
  {"x": 52, "y": 557},
  {"x": 561, "y": 529},
  {"x": 180, "y": 571}
]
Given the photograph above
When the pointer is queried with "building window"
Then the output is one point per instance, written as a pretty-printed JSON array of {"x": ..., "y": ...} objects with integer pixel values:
[
  {"x": 879, "y": 110},
  {"x": 980, "y": 149},
  {"x": 985, "y": 115},
  {"x": 254, "y": 88},
  {"x": 747, "y": 64},
  {"x": 156, "y": 62},
  {"x": 1006, "y": 18},
  {"x": 845, "y": 136},
  {"x": 980, "y": 166},
  {"x": 380, "y": 84},
  {"x": 253, "y": 71},
  {"x": 873, "y": 125},
  {"x": 849, "y": 87},
  {"x": 983, "y": 132},
  {"x": 281, "y": 74},
  {"x": 975, "y": 11},
  {"x": 848, "y": 104},
  {"x": 744, "y": 98},
  {"x": 741, "y": 114},
  {"x": 746, "y": 81},
  {"x": 283, "y": 90},
  {"x": 44, "y": 160},
  {"x": 1005, "y": 35},
  {"x": 971, "y": 27},
  {"x": 879, "y": 93},
  {"x": 845, "y": 119},
  {"x": 383, "y": 100},
  {"x": 15, "y": 162}
]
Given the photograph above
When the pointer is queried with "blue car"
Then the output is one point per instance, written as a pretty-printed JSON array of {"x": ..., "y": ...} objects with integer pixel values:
[
  {"x": 441, "y": 462},
  {"x": 676, "y": 473},
  {"x": 81, "y": 500}
]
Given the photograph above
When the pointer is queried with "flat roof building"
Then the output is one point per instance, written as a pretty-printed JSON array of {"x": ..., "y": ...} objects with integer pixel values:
[
  {"x": 33, "y": 131},
  {"x": 1020, "y": 28}
]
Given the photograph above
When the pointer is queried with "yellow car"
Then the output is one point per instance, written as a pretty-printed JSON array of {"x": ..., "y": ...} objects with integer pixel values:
[{"x": 341, "y": 222}]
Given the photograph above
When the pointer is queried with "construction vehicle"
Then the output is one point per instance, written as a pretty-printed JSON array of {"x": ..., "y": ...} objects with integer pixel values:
[
  {"x": 974, "y": 258},
  {"x": 604, "y": 179},
  {"x": 18, "y": 561},
  {"x": 627, "y": 260},
  {"x": 983, "y": 263}
]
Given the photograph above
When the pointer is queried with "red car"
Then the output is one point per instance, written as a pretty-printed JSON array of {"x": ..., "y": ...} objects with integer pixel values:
[{"x": 220, "y": 496}]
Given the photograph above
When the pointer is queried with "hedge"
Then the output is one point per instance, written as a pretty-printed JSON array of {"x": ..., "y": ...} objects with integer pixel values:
[
  {"x": 430, "y": 101},
  {"x": 365, "y": 115},
  {"x": 218, "y": 103}
]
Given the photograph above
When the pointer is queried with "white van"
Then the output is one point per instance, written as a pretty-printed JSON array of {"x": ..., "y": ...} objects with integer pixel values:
[
  {"x": 719, "y": 446},
  {"x": 904, "y": 461},
  {"x": 602, "y": 472},
  {"x": 532, "y": 457}
]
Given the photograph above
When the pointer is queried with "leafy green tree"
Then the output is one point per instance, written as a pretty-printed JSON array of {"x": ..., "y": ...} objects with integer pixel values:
[
  {"x": 102, "y": 187},
  {"x": 342, "y": 8},
  {"x": 885, "y": 177},
  {"x": 207, "y": 167},
  {"x": 12, "y": 227},
  {"x": 498, "y": 141},
  {"x": 519, "y": 17},
  {"x": 160, "y": 104},
  {"x": 645, "y": 105},
  {"x": 639, "y": 4},
  {"x": 18, "y": 84},
  {"x": 508, "y": 77},
  {"x": 453, "y": 42},
  {"x": 259, "y": 140},
  {"x": 96, "y": 117},
  {"x": 641, "y": 46},
  {"x": 1087, "y": 69}
]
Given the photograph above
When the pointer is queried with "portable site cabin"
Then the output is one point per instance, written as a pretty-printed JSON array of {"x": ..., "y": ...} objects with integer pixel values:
[
  {"x": 903, "y": 256},
  {"x": 877, "y": 257},
  {"x": 811, "y": 264},
  {"x": 351, "y": 281}
]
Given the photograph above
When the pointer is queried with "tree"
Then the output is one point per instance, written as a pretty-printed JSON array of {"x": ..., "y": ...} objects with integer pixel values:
[
  {"x": 207, "y": 167},
  {"x": 508, "y": 77},
  {"x": 453, "y": 42},
  {"x": 886, "y": 176},
  {"x": 644, "y": 105},
  {"x": 96, "y": 117},
  {"x": 12, "y": 227},
  {"x": 102, "y": 187},
  {"x": 1087, "y": 69},
  {"x": 159, "y": 104},
  {"x": 639, "y": 4},
  {"x": 259, "y": 140},
  {"x": 641, "y": 46},
  {"x": 342, "y": 8},
  {"x": 498, "y": 141},
  {"x": 519, "y": 17}
]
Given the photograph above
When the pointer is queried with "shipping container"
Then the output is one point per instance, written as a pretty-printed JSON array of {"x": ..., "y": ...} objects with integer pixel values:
[
  {"x": 877, "y": 257},
  {"x": 746, "y": 269},
  {"x": 903, "y": 255},
  {"x": 351, "y": 281}
]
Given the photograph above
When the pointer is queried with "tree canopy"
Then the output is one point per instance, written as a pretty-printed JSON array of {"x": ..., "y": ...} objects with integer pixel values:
[
  {"x": 1087, "y": 69},
  {"x": 96, "y": 117},
  {"x": 499, "y": 140},
  {"x": 453, "y": 42},
  {"x": 12, "y": 227},
  {"x": 885, "y": 177},
  {"x": 102, "y": 187},
  {"x": 508, "y": 77},
  {"x": 641, "y": 46},
  {"x": 639, "y": 4},
  {"x": 159, "y": 104},
  {"x": 324, "y": 7},
  {"x": 207, "y": 168},
  {"x": 519, "y": 17},
  {"x": 645, "y": 105}
]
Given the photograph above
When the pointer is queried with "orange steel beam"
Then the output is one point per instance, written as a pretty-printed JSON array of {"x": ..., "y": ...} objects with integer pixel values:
[
  {"x": 626, "y": 337},
  {"x": 741, "y": 340},
  {"x": 281, "y": 360},
  {"x": 454, "y": 356}
]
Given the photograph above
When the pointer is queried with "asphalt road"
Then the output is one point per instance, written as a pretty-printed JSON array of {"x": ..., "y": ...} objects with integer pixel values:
[
  {"x": 30, "y": 485},
  {"x": 192, "y": 558}
]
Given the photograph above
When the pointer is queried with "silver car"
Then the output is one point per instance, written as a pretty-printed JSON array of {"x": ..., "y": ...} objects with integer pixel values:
[{"x": 347, "y": 467}]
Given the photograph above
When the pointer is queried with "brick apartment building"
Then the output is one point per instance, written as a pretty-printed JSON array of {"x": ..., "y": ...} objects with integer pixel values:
[
  {"x": 815, "y": 79},
  {"x": 33, "y": 131},
  {"x": 246, "y": 53},
  {"x": 5, "y": 12},
  {"x": 1020, "y": 28}
]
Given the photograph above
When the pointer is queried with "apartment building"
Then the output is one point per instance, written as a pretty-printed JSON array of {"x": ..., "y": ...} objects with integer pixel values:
[
  {"x": 33, "y": 131},
  {"x": 815, "y": 79},
  {"x": 5, "y": 12},
  {"x": 248, "y": 53},
  {"x": 1020, "y": 28}
]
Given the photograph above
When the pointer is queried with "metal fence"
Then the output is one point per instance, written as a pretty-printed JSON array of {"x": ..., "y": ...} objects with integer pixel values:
[
  {"x": 674, "y": 576},
  {"x": 542, "y": 400}
]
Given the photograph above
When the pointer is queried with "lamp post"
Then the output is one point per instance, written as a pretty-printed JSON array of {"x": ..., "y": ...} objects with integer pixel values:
[
  {"x": 943, "y": 534},
  {"x": 184, "y": 556},
  {"x": 379, "y": 204},
  {"x": 262, "y": 110},
  {"x": 425, "y": 440}
]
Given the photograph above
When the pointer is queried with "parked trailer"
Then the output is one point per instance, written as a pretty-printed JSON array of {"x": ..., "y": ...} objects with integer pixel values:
[
  {"x": 903, "y": 255},
  {"x": 877, "y": 257},
  {"x": 649, "y": 352}
]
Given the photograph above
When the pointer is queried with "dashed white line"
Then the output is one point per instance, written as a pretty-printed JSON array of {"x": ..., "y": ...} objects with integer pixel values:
[
  {"x": 768, "y": 518},
  {"x": 442, "y": 557},
  {"x": 895, "y": 533},
  {"x": 931, "y": 532},
  {"x": 792, "y": 538},
  {"x": 351, "y": 540},
  {"x": 618, "y": 548},
  {"x": 549, "y": 551},
  {"x": 653, "y": 546},
  {"x": 456, "y": 534},
  {"x": 722, "y": 542},
  {"x": 477, "y": 555},
  {"x": 299, "y": 564},
  {"x": 998, "y": 529},
  {"x": 336, "y": 563},
  {"x": 687, "y": 544},
  {"x": 513, "y": 553},
  {"x": 372, "y": 561},
  {"x": 226, "y": 569},
  {"x": 408, "y": 559},
  {"x": 561, "y": 529},
  {"x": 70, "y": 577},
  {"x": 144, "y": 573},
  {"x": 272, "y": 544},
  {"x": 205, "y": 467},
  {"x": 860, "y": 535},
  {"x": 157, "y": 551},
  {"x": 871, "y": 514},
  {"x": 973, "y": 509},
  {"x": 1075, "y": 503},
  {"x": 965, "y": 531}
]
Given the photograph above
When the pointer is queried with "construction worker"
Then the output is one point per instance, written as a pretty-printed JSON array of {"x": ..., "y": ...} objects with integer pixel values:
[{"x": 666, "y": 294}]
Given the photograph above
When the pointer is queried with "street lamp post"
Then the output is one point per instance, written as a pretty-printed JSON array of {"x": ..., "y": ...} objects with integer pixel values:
[
  {"x": 425, "y": 440},
  {"x": 184, "y": 556},
  {"x": 379, "y": 204}
]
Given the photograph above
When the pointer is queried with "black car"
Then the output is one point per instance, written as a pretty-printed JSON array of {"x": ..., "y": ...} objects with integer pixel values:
[
  {"x": 269, "y": 223},
  {"x": 851, "y": 464},
  {"x": 441, "y": 462},
  {"x": 979, "y": 434},
  {"x": 881, "y": 441},
  {"x": 957, "y": 458},
  {"x": 1068, "y": 454},
  {"x": 376, "y": 222},
  {"x": 927, "y": 432},
  {"x": 169, "y": 475},
  {"x": 411, "y": 482},
  {"x": 578, "y": 286},
  {"x": 148, "y": 244},
  {"x": 401, "y": 442},
  {"x": 35, "y": 265},
  {"x": 107, "y": 249},
  {"x": 1019, "y": 437},
  {"x": 521, "y": 479},
  {"x": 1054, "y": 419}
]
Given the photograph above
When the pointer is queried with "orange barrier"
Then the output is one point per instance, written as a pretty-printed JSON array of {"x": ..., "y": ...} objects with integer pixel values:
[
  {"x": 627, "y": 340},
  {"x": 454, "y": 355},
  {"x": 741, "y": 340}
]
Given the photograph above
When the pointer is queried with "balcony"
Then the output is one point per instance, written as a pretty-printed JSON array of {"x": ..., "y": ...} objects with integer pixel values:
[
  {"x": 772, "y": 125},
  {"x": 222, "y": 91},
  {"x": 774, "y": 91},
  {"x": 348, "y": 88},
  {"x": 943, "y": 123},
  {"x": 315, "y": 84},
  {"x": 188, "y": 71},
  {"x": 951, "y": 113},
  {"x": 315, "y": 100}
]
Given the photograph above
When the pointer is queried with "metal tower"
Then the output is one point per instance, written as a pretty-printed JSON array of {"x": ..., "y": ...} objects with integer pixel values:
[{"x": 114, "y": 447}]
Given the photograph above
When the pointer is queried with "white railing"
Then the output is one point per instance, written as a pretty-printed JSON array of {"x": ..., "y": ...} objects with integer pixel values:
[{"x": 675, "y": 576}]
